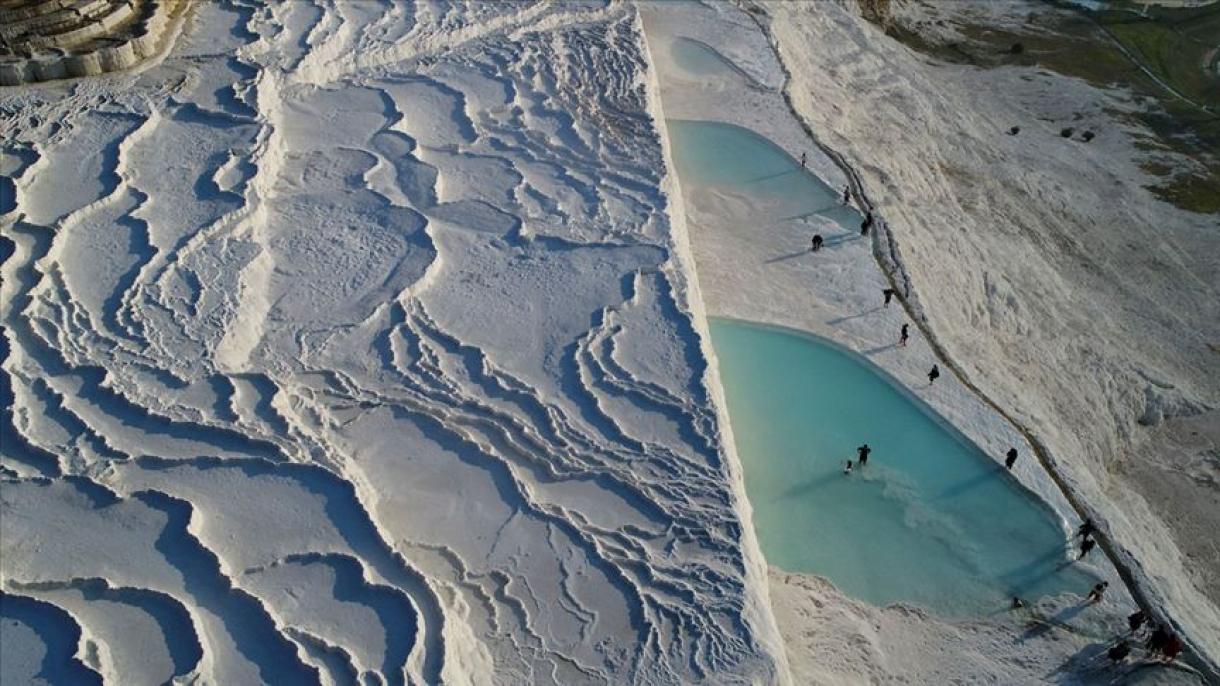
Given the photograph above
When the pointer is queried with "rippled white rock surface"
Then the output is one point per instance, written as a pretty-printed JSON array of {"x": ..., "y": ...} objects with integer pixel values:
[{"x": 353, "y": 343}]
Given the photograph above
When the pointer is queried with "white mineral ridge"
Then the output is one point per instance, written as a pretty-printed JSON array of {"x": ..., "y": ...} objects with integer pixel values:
[
  {"x": 353, "y": 342},
  {"x": 917, "y": 121},
  {"x": 1067, "y": 292},
  {"x": 359, "y": 343}
]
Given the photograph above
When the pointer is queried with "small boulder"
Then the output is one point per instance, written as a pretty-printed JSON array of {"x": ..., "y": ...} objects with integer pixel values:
[
  {"x": 1162, "y": 401},
  {"x": 1067, "y": 133}
]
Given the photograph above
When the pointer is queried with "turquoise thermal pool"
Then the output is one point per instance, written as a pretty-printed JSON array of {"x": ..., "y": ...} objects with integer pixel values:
[
  {"x": 930, "y": 520},
  {"x": 735, "y": 159},
  {"x": 698, "y": 59}
]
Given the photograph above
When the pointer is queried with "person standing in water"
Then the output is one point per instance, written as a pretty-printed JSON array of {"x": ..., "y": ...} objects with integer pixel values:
[
  {"x": 816, "y": 244},
  {"x": 802, "y": 160},
  {"x": 1011, "y": 458},
  {"x": 904, "y": 336},
  {"x": 866, "y": 224},
  {"x": 889, "y": 295},
  {"x": 933, "y": 375},
  {"x": 847, "y": 469},
  {"x": 863, "y": 452},
  {"x": 847, "y": 195},
  {"x": 1098, "y": 591}
]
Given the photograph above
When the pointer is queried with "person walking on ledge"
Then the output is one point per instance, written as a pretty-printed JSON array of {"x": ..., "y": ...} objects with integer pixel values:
[
  {"x": 889, "y": 295},
  {"x": 866, "y": 224},
  {"x": 1172, "y": 648},
  {"x": 816, "y": 244},
  {"x": 1136, "y": 620},
  {"x": 1158, "y": 638},
  {"x": 1011, "y": 458},
  {"x": 904, "y": 336},
  {"x": 802, "y": 160},
  {"x": 863, "y": 451},
  {"x": 1085, "y": 546},
  {"x": 933, "y": 375},
  {"x": 1119, "y": 651},
  {"x": 1086, "y": 529}
]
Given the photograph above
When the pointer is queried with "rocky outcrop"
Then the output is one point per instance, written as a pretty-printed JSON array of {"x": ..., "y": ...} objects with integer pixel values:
[{"x": 41, "y": 40}]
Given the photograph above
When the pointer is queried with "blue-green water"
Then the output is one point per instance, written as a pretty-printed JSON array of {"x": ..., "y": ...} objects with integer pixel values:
[
  {"x": 930, "y": 520},
  {"x": 699, "y": 59},
  {"x": 727, "y": 156}
]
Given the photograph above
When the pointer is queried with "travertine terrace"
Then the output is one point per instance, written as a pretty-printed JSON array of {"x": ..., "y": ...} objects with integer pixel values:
[{"x": 43, "y": 40}]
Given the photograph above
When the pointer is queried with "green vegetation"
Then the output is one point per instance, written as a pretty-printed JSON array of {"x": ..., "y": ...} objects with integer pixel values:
[
  {"x": 1177, "y": 47},
  {"x": 1194, "y": 192}
]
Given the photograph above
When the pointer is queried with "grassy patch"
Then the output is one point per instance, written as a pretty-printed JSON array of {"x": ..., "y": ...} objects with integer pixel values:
[
  {"x": 1193, "y": 192},
  {"x": 1173, "y": 44}
]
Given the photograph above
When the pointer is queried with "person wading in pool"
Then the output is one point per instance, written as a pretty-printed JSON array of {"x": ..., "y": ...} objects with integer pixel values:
[
  {"x": 863, "y": 452},
  {"x": 933, "y": 375},
  {"x": 846, "y": 195},
  {"x": 905, "y": 335},
  {"x": 1011, "y": 458},
  {"x": 802, "y": 160},
  {"x": 1098, "y": 591},
  {"x": 816, "y": 244},
  {"x": 889, "y": 295},
  {"x": 847, "y": 469}
]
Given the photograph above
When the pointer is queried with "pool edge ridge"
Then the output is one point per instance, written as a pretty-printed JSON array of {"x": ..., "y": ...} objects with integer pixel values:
[{"x": 757, "y": 575}]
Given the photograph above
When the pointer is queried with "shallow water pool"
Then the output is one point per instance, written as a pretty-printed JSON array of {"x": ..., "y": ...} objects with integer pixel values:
[
  {"x": 930, "y": 520},
  {"x": 699, "y": 59},
  {"x": 731, "y": 157}
]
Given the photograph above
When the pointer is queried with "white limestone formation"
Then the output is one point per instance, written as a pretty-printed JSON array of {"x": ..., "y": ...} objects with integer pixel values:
[{"x": 43, "y": 40}]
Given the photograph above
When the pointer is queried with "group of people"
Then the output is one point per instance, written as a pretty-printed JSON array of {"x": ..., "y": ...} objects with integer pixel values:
[
  {"x": 861, "y": 458},
  {"x": 817, "y": 242},
  {"x": 887, "y": 294},
  {"x": 1159, "y": 641}
]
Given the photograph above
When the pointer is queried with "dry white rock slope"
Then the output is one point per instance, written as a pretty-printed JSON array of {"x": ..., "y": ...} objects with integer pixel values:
[
  {"x": 1065, "y": 290},
  {"x": 753, "y": 263},
  {"x": 353, "y": 343}
]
